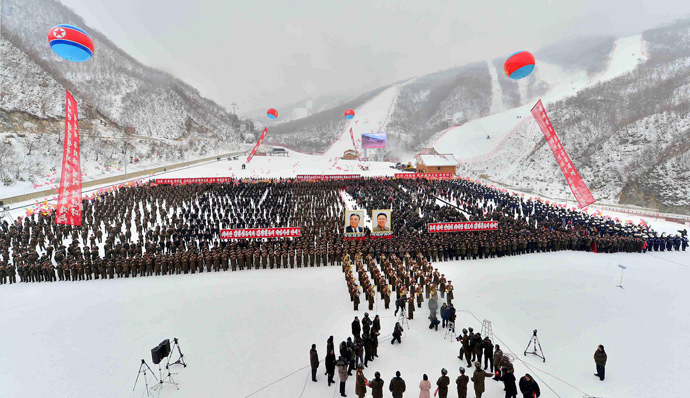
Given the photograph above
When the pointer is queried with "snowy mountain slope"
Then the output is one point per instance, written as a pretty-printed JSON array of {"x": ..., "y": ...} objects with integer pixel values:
[
  {"x": 429, "y": 104},
  {"x": 315, "y": 134},
  {"x": 369, "y": 118},
  {"x": 627, "y": 135},
  {"x": 113, "y": 91},
  {"x": 112, "y": 83},
  {"x": 302, "y": 108}
]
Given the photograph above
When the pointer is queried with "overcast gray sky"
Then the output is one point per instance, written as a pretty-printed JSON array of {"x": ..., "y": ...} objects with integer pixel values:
[{"x": 267, "y": 53}]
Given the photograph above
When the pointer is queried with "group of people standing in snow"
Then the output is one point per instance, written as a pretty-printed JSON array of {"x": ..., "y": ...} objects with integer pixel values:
[{"x": 157, "y": 230}]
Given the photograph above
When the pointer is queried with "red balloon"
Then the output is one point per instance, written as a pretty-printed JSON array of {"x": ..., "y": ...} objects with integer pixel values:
[
  {"x": 272, "y": 113},
  {"x": 349, "y": 114}
]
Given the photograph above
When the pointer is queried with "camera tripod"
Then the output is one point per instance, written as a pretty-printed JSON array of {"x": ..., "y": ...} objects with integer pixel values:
[
  {"x": 180, "y": 360},
  {"x": 534, "y": 341},
  {"x": 402, "y": 318},
  {"x": 164, "y": 380},
  {"x": 142, "y": 369},
  {"x": 450, "y": 331}
]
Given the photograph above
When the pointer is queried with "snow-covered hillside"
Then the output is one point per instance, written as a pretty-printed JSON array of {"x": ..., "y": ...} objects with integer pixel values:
[
  {"x": 626, "y": 135},
  {"x": 113, "y": 91}
]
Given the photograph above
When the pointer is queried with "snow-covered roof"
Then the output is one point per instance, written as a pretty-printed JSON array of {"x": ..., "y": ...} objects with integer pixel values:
[{"x": 437, "y": 160}]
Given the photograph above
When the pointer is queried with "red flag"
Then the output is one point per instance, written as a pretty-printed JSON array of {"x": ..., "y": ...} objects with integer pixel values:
[
  {"x": 258, "y": 144},
  {"x": 69, "y": 196},
  {"x": 577, "y": 186}
]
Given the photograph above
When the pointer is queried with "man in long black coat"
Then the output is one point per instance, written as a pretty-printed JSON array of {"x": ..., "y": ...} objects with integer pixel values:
[
  {"x": 314, "y": 360},
  {"x": 529, "y": 387},
  {"x": 356, "y": 327},
  {"x": 397, "y": 386}
]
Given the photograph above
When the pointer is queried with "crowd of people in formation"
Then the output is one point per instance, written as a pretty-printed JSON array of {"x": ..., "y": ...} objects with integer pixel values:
[{"x": 158, "y": 230}]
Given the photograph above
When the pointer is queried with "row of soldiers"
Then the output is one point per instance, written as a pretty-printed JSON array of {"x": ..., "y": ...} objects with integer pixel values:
[{"x": 157, "y": 230}]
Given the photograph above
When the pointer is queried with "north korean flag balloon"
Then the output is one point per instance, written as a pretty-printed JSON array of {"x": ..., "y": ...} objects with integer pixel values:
[
  {"x": 349, "y": 114},
  {"x": 71, "y": 43},
  {"x": 519, "y": 65},
  {"x": 272, "y": 114}
]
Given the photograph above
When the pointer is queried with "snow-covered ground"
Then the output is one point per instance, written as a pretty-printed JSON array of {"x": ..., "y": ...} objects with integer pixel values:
[{"x": 244, "y": 330}]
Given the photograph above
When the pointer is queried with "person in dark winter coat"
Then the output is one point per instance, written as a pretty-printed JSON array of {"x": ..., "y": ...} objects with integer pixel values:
[
  {"x": 314, "y": 360},
  {"x": 600, "y": 360},
  {"x": 443, "y": 382},
  {"x": 444, "y": 315},
  {"x": 330, "y": 366},
  {"x": 488, "y": 354},
  {"x": 529, "y": 387},
  {"x": 376, "y": 386},
  {"x": 462, "y": 382},
  {"x": 376, "y": 325},
  {"x": 356, "y": 327},
  {"x": 397, "y": 386},
  {"x": 342, "y": 374},
  {"x": 397, "y": 332},
  {"x": 508, "y": 380},
  {"x": 330, "y": 345},
  {"x": 433, "y": 321}
]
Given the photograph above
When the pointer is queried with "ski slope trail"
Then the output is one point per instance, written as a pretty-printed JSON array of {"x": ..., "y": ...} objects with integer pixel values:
[
  {"x": 470, "y": 139},
  {"x": 372, "y": 117}
]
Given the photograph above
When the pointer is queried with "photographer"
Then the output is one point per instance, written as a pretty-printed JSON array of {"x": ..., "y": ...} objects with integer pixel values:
[
  {"x": 397, "y": 333},
  {"x": 434, "y": 321},
  {"x": 400, "y": 304}
]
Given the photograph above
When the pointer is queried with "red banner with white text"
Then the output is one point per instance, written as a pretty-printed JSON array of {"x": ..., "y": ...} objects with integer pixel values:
[
  {"x": 429, "y": 176},
  {"x": 258, "y": 233},
  {"x": 327, "y": 177},
  {"x": 577, "y": 186},
  {"x": 69, "y": 209},
  {"x": 258, "y": 144},
  {"x": 463, "y": 226},
  {"x": 200, "y": 180}
]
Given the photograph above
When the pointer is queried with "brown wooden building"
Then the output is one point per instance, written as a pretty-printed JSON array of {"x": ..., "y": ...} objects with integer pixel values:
[
  {"x": 437, "y": 164},
  {"x": 350, "y": 154}
]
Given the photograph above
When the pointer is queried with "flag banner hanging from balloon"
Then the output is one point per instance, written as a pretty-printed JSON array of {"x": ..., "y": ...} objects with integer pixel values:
[
  {"x": 577, "y": 186},
  {"x": 258, "y": 144},
  {"x": 69, "y": 195}
]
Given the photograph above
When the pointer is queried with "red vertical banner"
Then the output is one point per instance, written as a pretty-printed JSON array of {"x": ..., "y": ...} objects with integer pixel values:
[
  {"x": 577, "y": 186},
  {"x": 258, "y": 144},
  {"x": 69, "y": 197},
  {"x": 354, "y": 145}
]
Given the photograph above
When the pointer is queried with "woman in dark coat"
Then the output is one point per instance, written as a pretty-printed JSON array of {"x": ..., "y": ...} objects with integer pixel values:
[
  {"x": 508, "y": 380},
  {"x": 330, "y": 366}
]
